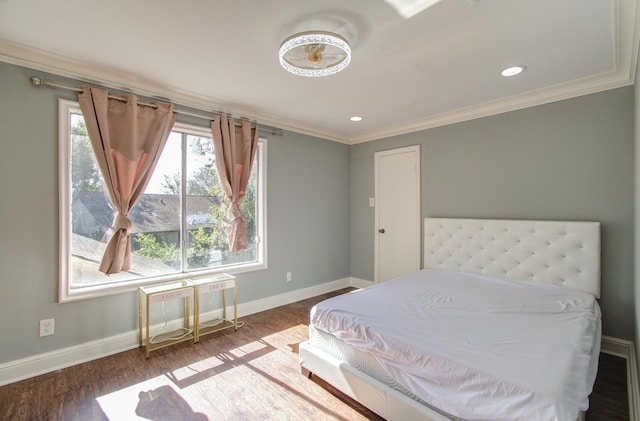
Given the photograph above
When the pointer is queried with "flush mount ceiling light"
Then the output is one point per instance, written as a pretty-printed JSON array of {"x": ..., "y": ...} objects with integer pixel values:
[{"x": 315, "y": 54}]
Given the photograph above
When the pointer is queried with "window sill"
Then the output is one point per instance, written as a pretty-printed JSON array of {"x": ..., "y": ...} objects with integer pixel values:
[{"x": 106, "y": 289}]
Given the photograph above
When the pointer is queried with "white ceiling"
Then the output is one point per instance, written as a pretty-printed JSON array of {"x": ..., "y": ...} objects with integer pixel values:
[{"x": 438, "y": 66}]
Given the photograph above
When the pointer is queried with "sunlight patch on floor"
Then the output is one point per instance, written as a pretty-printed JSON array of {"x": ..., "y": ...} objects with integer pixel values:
[
  {"x": 198, "y": 367},
  {"x": 247, "y": 349},
  {"x": 122, "y": 404},
  {"x": 257, "y": 373}
]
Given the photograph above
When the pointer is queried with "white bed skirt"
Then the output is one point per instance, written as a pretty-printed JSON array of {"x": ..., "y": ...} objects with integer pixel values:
[
  {"x": 375, "y": 395},
  {"x": 317, "y": 356}
]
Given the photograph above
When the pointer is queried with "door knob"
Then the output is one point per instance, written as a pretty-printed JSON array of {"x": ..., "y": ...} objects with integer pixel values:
[{"x": 381, "y": 230}]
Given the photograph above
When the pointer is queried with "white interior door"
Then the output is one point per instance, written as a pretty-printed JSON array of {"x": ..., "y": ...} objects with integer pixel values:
[{"x": 397, "y": 212}]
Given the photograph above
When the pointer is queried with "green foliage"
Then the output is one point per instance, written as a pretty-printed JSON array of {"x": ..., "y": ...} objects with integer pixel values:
[
  {"x": 148, "y": 246},
  {"x": 199, "y": 249},
  {"x": 86, "y": 174},
  {"x": 171, "y": 184},
  {"x": 206, "y": 182},
  {"x": 248, "y": 207},
  {"x": 79, "y": 128}
]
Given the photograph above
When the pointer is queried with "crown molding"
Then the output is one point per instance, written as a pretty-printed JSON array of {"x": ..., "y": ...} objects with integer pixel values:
[
  {"x": 43, "y": 61},
  {"x": 574, "y": 89},
  {"x": 627, "y": 40},
  {"x": 626, "y": 54}
]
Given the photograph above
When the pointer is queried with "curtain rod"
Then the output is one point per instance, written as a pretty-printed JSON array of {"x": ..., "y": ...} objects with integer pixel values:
[{"x": 38, "y": 81}]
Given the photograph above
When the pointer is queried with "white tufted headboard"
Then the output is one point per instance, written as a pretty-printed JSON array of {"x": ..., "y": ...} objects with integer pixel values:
[{"x": 564, "y": 253}]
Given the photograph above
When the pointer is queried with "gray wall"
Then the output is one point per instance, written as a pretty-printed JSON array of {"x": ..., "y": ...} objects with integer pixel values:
[
  {"x": 308, "y": 224},
  {"x": 569, "y": 160}
]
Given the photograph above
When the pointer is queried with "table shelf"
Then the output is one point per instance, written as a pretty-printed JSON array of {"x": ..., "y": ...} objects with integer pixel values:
[
  {"x": 221, "y": 282},
  {"x": 161, "y": 293},
  {"x": 164, "y": 339},
  {"x": 203, "y": 329}
]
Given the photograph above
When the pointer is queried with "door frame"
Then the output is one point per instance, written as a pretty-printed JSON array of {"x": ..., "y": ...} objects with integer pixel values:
[{"x": 376, "y": 246}]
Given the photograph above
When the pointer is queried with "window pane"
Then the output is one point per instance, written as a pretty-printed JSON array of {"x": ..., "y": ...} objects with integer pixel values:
[
  {"x": 156, "y": 217},
  {"x": 91, "y": 214},
  {"x": 207, "y": 211},
  {"x": 204, "y": 205},
  {"x": 155, "y": 237}
]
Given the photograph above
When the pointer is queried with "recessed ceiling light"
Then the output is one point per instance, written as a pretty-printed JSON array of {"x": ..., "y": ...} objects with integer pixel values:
[
  {"x": 356, "y": 118},
  {"x": 512, "y": 71}
]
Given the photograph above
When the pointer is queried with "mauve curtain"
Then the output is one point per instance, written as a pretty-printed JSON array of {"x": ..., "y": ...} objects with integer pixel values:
[
  {"x": 235, "y": 148},
  {"x": 127, "y": 140}
]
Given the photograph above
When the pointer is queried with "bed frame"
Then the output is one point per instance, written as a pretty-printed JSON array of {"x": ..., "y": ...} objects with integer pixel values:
[{"x": 564, "y": 253}]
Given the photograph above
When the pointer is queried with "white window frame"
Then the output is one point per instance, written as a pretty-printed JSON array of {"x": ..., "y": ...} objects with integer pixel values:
[{"x": 65, "y": 292}]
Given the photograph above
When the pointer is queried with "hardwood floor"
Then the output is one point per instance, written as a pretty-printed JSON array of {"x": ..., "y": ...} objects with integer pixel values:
[
  {"x": 609, "y": 400},
  {"x": 251, "y": 374}
]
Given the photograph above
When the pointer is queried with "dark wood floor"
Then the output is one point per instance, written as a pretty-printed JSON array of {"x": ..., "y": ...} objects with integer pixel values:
[
  {"x": 609, "y": 400},
  {"x": 245, "y": 375}
]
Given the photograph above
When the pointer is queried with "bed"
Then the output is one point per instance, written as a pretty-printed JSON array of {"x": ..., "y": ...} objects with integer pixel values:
[{"x": 502, "y": 323}]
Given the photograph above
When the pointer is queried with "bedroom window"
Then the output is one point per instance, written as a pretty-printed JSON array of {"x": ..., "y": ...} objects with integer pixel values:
[{"x": 179, "y": 222}]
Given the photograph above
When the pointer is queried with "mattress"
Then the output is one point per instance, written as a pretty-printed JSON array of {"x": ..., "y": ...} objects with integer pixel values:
[{"x": 473, "y": 346}]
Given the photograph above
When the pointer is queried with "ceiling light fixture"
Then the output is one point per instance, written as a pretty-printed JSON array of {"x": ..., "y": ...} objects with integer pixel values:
[
  {"x": 512, "y": 71},
  {"x": 356, "y": 118},
  {"x": 315, "y": 54}
]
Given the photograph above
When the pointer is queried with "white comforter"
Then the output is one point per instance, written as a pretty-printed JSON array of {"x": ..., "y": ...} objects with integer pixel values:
[{"x": 476, "y": 347}]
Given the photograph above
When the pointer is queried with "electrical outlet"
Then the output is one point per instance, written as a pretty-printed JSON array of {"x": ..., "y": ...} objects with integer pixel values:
[
  {"x": 288, "y": 276},
  {"x": 47, "y": 327}
]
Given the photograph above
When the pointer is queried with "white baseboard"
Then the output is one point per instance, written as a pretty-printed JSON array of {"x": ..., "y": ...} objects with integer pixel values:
[
  {"x": 36, "y": 365},
  {"x": 360, "y": 283},
  {"x": 291, "y": 297},
  {"x": 47, "y": 362},
  {"x": 625, "y": 349}
]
